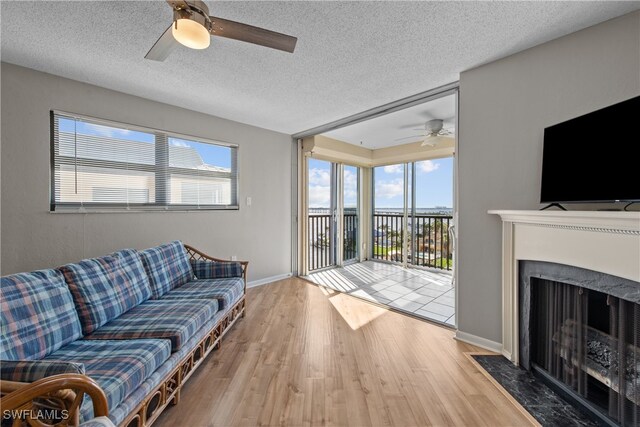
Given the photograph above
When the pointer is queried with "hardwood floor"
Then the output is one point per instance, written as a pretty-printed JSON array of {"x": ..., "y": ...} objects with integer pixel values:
[{"x": 305, "y": 355}]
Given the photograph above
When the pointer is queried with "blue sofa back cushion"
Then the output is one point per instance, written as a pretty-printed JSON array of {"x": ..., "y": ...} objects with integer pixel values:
[
  {"x": 104, "y": 288},
  {"x": 168, "y": 267},
  {"x": 38, "y": 315}
]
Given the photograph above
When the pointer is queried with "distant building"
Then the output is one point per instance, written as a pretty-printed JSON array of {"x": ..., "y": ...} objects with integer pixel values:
[{"x": 95, "y": 178}]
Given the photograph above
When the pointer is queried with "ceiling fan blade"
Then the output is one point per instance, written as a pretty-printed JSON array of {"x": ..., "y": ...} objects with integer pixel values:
[
  {"x": 409, "y": 137},
  {"x": 250, "y": 34},
  {"x": 163, "y": 47},
  {"x": 412, "y": 126}
]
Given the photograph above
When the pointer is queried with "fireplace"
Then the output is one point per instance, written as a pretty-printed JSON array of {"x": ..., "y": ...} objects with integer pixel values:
[
  {"x": 580, "y": 332},
  {"x": 570, "y": 295}
]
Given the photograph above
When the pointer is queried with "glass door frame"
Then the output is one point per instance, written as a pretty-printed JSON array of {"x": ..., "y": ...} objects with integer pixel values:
[{"x": 358, "y": 221}]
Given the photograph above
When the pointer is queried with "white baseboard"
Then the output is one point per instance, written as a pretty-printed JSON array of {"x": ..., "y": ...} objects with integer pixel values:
[
  {"x": 267, "y": 280},
  {"x": 479, "y": 341}
]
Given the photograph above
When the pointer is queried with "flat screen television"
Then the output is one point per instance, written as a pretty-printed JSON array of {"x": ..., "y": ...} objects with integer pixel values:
[{"x": 592, "y": 158}]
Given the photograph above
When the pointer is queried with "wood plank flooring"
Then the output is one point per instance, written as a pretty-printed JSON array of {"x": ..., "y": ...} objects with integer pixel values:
[{"x": 306, "y": 355}]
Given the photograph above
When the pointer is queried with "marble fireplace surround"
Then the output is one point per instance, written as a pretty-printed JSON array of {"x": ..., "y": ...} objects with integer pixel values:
[{"x": 605, "y": 242}]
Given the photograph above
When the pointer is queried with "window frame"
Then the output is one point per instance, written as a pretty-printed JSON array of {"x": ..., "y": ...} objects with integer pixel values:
[{"x": 160, "y": 167}]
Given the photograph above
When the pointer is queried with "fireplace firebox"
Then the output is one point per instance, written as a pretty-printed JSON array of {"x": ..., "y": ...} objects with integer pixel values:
[{"x": 580, "y": 332}]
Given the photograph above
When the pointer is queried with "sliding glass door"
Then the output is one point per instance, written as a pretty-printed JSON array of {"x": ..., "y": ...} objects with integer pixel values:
[
  {"x": 431, "y": 217},
  {"x": 389, "y": 213},
  {"x": 321, "y": 214},
  {"x": 332, "y": 212},
  {"x": 413, "y": 213}
]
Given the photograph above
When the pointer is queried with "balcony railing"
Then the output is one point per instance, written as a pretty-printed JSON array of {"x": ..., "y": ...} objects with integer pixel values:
[
  {"x": 350, "y": 240},
  {"x": 429, "y": 244},
  {"x": 320, "y": 239}
]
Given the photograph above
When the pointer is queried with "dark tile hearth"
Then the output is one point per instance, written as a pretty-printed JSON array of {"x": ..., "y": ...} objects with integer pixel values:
[{"x": 540, "y": 401}]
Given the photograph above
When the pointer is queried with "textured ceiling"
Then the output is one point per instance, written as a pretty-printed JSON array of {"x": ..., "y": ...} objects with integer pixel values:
[
  {"x": 351, "y": 56},
  {"x": 401, "y": 127}
]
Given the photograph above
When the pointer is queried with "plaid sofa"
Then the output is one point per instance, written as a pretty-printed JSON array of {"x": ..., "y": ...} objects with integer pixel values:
[{"x": 126, "y": 319}]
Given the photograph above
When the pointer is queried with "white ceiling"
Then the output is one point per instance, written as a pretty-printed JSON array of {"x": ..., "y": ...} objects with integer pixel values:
[
  {"x": 399, "y": 127},
  {"x": 351, "y": 56}
]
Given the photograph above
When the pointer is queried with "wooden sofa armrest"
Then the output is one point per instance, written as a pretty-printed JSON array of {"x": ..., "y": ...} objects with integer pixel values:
[
  {"x": 68, "y": 389},
  {"x": 197, "y": 255},
  {"x": 7, "y": 387}
]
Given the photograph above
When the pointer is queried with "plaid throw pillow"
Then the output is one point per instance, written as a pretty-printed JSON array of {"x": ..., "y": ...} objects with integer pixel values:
[
  {"x": 168, "y": 267},
  {"x": 216, "y": 270},
  {"x": 104, "y": 288},
  {"x": 38, "y": 315}
]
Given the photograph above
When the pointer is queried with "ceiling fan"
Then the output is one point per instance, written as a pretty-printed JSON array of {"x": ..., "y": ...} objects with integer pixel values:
[
  {"x": 193, "y": 27},
  {"x": 433, "y": 130}
]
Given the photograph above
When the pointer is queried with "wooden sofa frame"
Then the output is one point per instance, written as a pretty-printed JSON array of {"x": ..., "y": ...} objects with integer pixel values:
[{"x": 65, "y": 391}]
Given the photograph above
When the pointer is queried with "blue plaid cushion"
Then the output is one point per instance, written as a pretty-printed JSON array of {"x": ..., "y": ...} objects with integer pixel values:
[
  {"x": 38, "y": 315},
  {"x": 215, "y": 270},
  {"x": 98, "y": 422},
  {"x": 104, "y": 288},
  {"x": 167, "y": 266},
  {"x": 33, "y": 370},
  {"x": 226, "y": 291},
  {"x": 118, "y": 367},
  {"x": 167, "y": 319}
]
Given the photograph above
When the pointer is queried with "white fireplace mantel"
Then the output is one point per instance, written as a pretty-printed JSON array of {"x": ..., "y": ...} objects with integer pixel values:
[{"x": 608, "y": 242}]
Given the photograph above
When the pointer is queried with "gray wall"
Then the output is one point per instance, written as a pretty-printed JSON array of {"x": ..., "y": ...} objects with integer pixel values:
[
  {"x": 504, "y": 107},
  {"x": 34, "y": 238}
]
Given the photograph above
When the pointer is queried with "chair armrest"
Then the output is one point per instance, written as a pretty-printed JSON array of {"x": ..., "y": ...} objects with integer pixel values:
[
  {"x": 28, "y": 371},
  {"x": 196, "y": 255}
]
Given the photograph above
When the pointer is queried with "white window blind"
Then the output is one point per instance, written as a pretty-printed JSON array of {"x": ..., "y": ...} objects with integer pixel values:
[{"x": 99, "y": 164}]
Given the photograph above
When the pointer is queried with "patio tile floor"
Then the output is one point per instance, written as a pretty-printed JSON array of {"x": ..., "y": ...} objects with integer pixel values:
[{"x": 425, "y": 293}]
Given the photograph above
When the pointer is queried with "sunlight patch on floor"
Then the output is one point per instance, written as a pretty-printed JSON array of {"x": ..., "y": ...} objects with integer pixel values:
[
  {"x": 354, "y": 312},
  {"x": 334, "y": 280}
]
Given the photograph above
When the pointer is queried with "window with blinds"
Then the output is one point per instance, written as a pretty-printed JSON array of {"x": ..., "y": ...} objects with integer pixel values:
[{"x": 104, "y": 165}]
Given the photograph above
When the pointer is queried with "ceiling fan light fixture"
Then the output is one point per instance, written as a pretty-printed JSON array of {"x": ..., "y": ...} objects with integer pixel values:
[
  {"x": 191, "y": 33},
  {"x": 428, "y": 144}
]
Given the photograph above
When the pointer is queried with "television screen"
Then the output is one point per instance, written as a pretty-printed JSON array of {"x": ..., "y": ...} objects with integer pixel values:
[{"x": 592, "y": 158}]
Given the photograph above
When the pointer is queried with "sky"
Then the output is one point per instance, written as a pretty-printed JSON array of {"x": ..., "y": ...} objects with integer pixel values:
[
  {"x": 320, "y": 185},
  {"x": 211, "y": 154},
  {"x": 434, "y": 184}
]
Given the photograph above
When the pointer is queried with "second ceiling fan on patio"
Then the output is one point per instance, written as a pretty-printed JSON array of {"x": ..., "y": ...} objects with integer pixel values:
[
  {"x": 433, "y": 130},
  {"x": 193, "y": 27}
]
